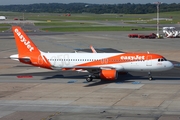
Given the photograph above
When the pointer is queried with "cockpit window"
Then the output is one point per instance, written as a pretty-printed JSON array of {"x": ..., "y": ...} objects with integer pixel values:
[
  {"x": 161, "y": 59},
  {"x": 164, "y": 59}
]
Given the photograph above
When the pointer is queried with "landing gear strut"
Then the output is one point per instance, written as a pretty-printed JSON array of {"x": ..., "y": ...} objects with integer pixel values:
[
  {"x": 150, "y": 77},
  {"x": 89, "y": 78}
]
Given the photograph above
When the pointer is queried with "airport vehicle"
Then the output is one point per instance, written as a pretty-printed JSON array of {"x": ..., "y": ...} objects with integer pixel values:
[
  {"x": 151, "y": 36},
  {"x": 133, "y": 35},
  {"x": 2, "y": 18},
  {"x": 171, "y": 32},
  {"x": 103, "y": 65}
]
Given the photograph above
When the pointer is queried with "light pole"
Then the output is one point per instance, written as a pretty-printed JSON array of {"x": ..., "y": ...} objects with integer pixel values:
[{"x": 158, "y": 3}]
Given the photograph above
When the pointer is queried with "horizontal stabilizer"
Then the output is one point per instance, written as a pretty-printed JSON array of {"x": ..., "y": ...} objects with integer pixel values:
[{"x": 16, "y": 57}]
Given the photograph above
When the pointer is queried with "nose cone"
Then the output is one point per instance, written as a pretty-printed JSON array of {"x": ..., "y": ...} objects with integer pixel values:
[{"x": 169, "y": 65}]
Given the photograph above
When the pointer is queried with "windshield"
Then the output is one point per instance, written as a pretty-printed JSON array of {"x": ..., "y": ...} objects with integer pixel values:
[{"x": 161, "y": 59}]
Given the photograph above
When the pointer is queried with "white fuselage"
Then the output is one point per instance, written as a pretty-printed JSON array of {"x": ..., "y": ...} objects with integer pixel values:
[{"x": 69, "y": 60}]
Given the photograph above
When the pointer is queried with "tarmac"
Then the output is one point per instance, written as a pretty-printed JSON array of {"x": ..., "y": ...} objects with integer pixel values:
[{"x": 31, "y": 93}]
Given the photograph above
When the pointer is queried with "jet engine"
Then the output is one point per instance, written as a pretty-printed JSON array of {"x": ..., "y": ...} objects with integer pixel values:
[{"x": 109, "y": 74}]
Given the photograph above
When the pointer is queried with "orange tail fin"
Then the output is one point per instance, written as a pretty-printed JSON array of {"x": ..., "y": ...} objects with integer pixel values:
[
  {"x": 24, "y": 44},
  {"x": 28, "y": 53}
]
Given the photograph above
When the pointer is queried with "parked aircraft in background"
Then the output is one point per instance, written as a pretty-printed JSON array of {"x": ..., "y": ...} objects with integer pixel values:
[
  {"x": 171, "y": 32},
  {"x": 103, "y": 65}
]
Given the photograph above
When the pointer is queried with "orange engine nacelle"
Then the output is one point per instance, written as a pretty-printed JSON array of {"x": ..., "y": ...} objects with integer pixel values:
[{"x": 108, "y": 74}]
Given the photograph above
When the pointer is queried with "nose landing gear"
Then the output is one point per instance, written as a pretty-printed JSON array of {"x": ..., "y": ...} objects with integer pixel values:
[{"x": 150, "y": 77}]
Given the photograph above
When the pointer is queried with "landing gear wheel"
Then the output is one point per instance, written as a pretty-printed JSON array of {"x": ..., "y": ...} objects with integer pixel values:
[
  {"x": 150, "y": 78},
  {"x": 89, "y": 79}
]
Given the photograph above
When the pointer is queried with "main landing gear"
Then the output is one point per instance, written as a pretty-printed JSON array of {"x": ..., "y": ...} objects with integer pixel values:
[
  {"x": 150, "y": 77},
  {"x": 89, "y": 78}
]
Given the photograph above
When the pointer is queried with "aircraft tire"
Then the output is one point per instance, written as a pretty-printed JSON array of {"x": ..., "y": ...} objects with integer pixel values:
[
  {"x": 89, "y": 79},
  {"x": 150, "y": 78}
]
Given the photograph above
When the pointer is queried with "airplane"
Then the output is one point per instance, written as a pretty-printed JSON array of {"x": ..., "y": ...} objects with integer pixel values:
[{"x": 99, "y": 65}]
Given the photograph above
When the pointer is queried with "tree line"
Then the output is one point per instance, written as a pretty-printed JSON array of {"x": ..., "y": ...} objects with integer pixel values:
[{"x": 91, "y": 8}]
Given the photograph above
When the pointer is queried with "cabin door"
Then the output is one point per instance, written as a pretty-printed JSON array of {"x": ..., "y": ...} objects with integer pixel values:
[{"x": 149, "y": 60}]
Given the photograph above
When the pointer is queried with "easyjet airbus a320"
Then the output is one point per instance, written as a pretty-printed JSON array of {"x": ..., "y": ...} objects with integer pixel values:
[{"x": 103, "y": 65}]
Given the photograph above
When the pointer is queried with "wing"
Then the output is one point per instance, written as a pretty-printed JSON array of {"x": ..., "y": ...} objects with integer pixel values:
[{"x": 90, "y": 69}]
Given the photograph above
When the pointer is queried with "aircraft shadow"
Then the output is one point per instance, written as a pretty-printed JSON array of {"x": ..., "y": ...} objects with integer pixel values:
[
  {"x": 65, "y": 77},
  {"x": 125, "y": 78},
  {"x": 52, "y": 75}
]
